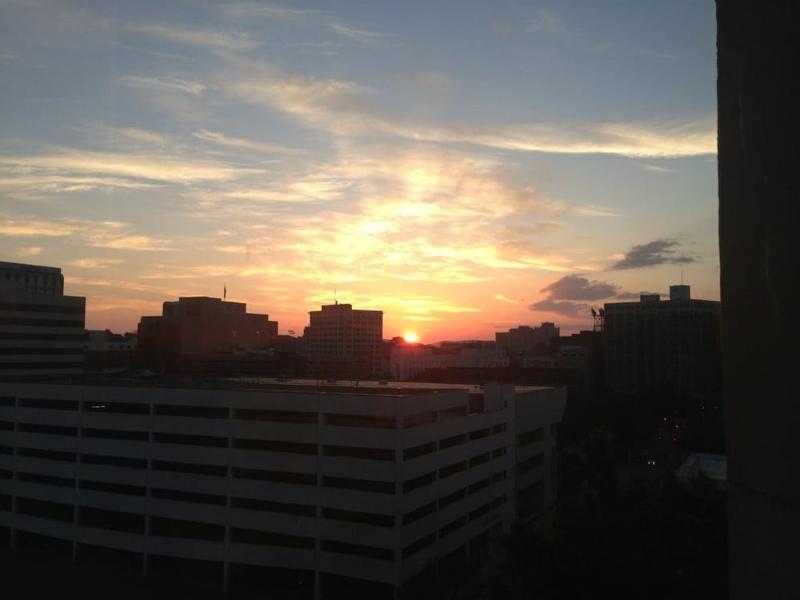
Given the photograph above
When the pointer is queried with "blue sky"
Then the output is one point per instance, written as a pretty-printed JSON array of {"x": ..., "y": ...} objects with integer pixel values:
[{"x": 464, "y": 166}]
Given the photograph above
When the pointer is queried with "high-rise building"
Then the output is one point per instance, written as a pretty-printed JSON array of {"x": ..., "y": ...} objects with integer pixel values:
[
  {"x": 201, "y": 326},
  {"x": 525, "y": 339},
  {"x": 344, "y": 342},
  {"x": 41, "y": 330},
  {"x": 374, "y": 483},
  {"x": 663, "y": 346}
]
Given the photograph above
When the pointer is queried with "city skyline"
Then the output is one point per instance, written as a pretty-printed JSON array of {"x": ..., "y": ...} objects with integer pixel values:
[{"x": 464, "y": 170}]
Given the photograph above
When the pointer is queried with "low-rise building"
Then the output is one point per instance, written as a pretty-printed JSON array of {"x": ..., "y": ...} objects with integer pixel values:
[
  {"x": 374, "y": 482},
  {"x": 525, "y": 339}
]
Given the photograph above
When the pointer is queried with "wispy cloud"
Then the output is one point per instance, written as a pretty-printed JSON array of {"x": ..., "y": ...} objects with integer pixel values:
[
  {"x": 244, "y": 144},
  {"x": 657, "y": 169},
  {"x": 99, "y": 234},
  {"x": 95, "y": 263},
  {"x": 502, "y": 298},
  {"x": 347, "y": 108},
  {"x": 30, "y": 251},
  {"x": 127, "y": 167},
  {"x": 235, "y": 41},
  {"x": 164, "y": 84},
  {"x": 362, "y": 36},
  {"x": 254, "y": 10}
]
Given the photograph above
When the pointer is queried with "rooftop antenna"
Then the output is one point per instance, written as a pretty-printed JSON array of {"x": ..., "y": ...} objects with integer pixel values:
[
  {"x": 335, "y": 301},
  {"x": 681, "y": 276}
]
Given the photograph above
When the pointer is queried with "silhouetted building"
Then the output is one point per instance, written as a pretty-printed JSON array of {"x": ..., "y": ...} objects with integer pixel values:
[
  {"x": 670, "y": 347},
  {"x": 41, "y": 330},
  {"x": 525, "y": 339},
  {"x": 109, "y": 352},
  {"x": 584, "y": 353},
  {"x": 408, "y": 361},
  {"x": 344, "y": 342},
  {"x": 198, "y": 326},
  {"x": 376, "y": 482}
]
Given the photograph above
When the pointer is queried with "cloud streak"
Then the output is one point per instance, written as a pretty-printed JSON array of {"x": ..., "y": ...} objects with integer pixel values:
[{"x": 347, "y": 108}]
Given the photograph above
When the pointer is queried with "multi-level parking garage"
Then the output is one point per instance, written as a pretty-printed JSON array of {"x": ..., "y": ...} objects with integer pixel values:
[{"x": 375, "y": 481}]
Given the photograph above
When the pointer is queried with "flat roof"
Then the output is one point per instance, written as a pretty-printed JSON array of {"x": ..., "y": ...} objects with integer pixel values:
[
  {"x": 348, "y": 386},
  {"x": 408, "y": 387}
]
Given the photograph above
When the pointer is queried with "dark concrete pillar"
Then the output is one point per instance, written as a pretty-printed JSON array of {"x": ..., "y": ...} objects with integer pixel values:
[{"x": 759, "y": 230}]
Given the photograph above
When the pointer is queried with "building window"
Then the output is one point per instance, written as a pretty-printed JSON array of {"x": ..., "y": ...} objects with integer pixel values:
[
  {"x": 115, "y": 434},
  {"x": 480, "y": 433},
  {"x": 274, "y": 507},
  {"x": 384, "y": 454},
  {"x": 419, "y": 513},
  {"x": 527, "y": 465},
  {"x": 449, "y": 470},
  {"x": 452, "y": 526},
  {"x": 45, "y": 479},
  {"x": 202, "y": 412},
  {"x": 275, "y": 446},
  {"x": 454, "y": 412},
  {"x": 181, "y": 496},
  {"x": 192, "y": 468},
  {"x": 113, "y": 488},
  {"x": 455, "y": 440},
  {"x": 386, "y": 554},
  {"x": 445, "y": 501},
  {"x": 128, "y": 408},
  {"x": 55, "y": 511},
  {"x": 530, "y": 437},
  {"x": 49, "y": 404},
  {"x": 46, "y": 429},
  {"x": 276, "y": 476},
  {"x": 420, "y": 450},
  {"x": 178, "y": 528},
  {"x": 114, "y": 461},
  {"x": 353, "y": 516},
  {"x": 269, "y": 538},
  {"x": 363, "y": 485},
  {"x": 420, "y": 544},
  {"x": 191, "y": 440},
  {"x": 278, "y": 416},
  {"x": 419, "y": 419},
  {"x": 359, "y": 421},
  {"x": 111, "y": 519},
  {"x": 418, "y": 482},
  {"x": 46, "y": 454}
]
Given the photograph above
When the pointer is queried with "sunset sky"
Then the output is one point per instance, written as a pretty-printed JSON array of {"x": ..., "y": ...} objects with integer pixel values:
[{"x": 463, "y": 166}]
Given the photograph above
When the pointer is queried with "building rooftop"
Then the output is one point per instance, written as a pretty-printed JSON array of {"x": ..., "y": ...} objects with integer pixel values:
[{"x": 341, "y": 386}]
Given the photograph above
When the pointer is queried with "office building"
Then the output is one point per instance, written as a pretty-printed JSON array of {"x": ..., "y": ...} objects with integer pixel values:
[
  {"x": 525, "y": 339},
  {"x": 41, "y": 330},
  {"x": 369, "y": 482},
  {"x": 663, "y": 346},
  {"x": 197, "y": 326},
  {"x": 343, "y": 342}
]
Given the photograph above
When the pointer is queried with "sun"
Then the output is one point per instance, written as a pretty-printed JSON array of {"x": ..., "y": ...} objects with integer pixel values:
[{"x": 410, "y": 337}]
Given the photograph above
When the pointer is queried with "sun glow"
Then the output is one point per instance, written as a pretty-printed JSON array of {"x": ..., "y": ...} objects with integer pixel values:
[{"x": 410, "y": 337}]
